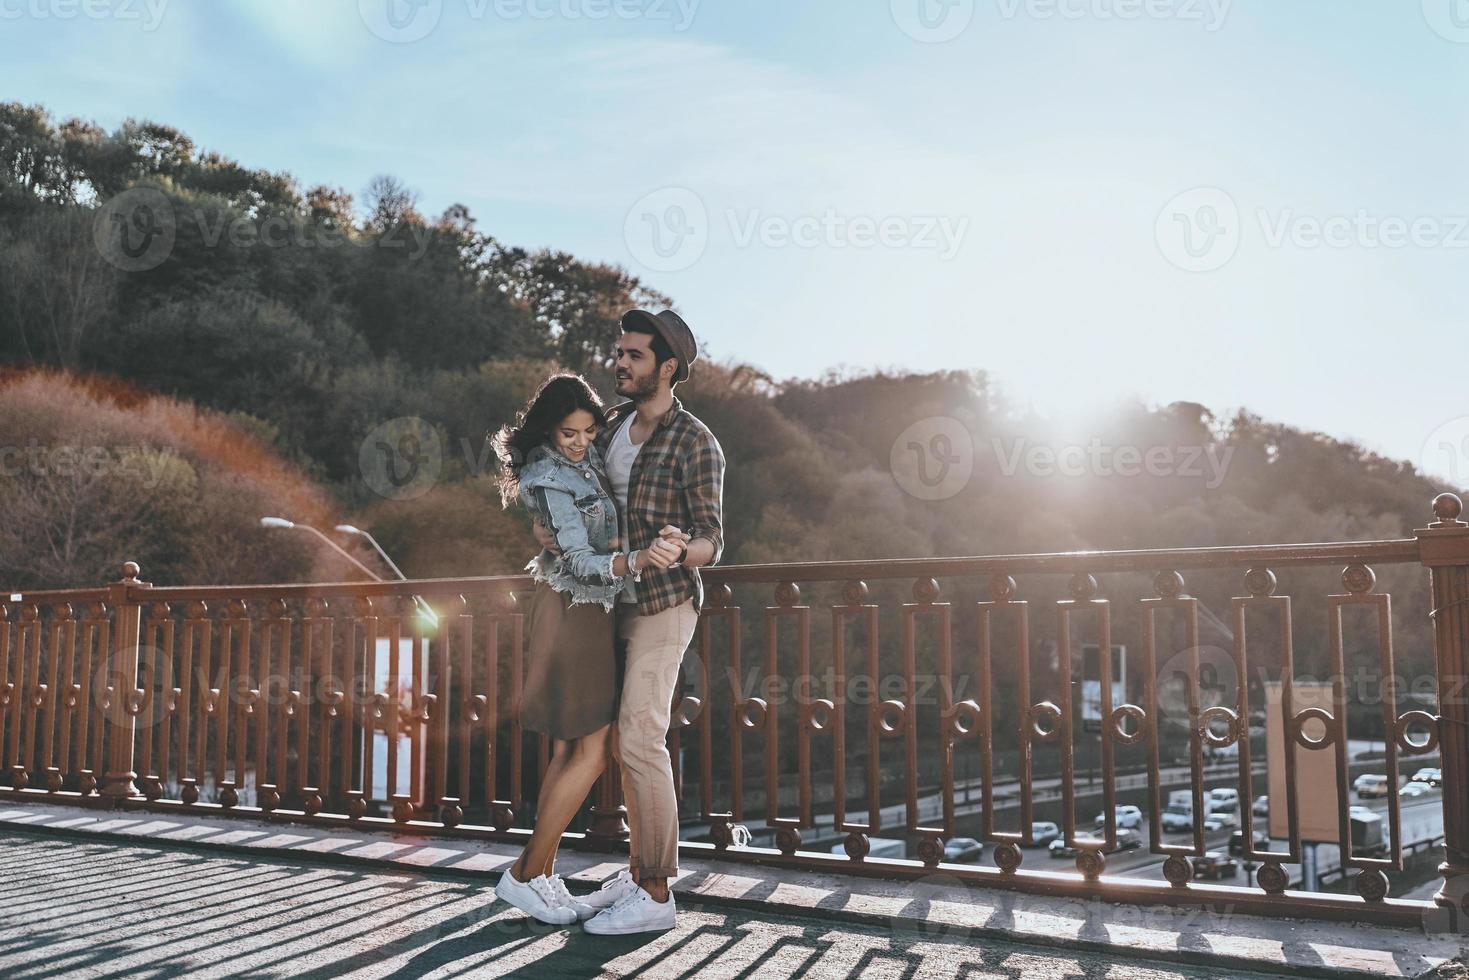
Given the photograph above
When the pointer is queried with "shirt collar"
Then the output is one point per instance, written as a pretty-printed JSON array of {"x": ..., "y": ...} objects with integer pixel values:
[
  {"x": 619, "y": 412},
  {"x": 550, "y": 450}
]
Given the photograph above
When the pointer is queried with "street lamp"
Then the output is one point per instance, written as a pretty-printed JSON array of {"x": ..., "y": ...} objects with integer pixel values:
[
  {"x": 349, "y": 529},
  {"x": 429, "y": 614},
  {"x": 426, "y": 611},
  {"x": 281, "y": 522}
]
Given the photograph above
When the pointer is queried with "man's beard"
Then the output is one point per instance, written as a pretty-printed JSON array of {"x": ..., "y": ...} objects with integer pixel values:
[{"x": 639, "y": 391}]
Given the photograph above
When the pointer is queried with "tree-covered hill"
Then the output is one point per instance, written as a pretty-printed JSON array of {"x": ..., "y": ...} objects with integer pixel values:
[{"x": 144, "y": 278}]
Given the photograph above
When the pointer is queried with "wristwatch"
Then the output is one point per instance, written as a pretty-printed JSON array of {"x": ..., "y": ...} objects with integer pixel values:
[{"x": 683, "y": 553}]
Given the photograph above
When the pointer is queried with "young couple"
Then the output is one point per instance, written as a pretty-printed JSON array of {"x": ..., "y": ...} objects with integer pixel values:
[{"x": 627, "y": 506}]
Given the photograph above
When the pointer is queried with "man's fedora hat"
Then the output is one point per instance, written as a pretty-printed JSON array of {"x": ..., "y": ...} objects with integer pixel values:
[{"x": 670, "y": 326}]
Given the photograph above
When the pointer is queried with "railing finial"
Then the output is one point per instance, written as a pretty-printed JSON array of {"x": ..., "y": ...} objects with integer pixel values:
[
  {"x": 1447, "y": 507},
  {"x": 131, "y": 570}
]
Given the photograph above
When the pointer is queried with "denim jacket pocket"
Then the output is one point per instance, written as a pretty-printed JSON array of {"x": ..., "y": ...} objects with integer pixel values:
[{"x": 591, "y": 505}]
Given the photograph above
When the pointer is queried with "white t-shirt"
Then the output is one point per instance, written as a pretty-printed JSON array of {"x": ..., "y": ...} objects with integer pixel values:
[{"x": 621, "y": 452}]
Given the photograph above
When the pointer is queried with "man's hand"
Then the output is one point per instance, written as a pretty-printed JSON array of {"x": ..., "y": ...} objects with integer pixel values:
[
  {"x": 671, "y": 533},
  {"x": 664, "y": 552},
  {"x": 544, "y": 537}
]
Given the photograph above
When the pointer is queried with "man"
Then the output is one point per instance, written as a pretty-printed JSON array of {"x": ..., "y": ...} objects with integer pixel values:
[{"x": 667, "y": 472}]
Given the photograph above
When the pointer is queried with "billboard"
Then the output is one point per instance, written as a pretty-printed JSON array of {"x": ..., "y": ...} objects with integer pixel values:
[
  {"x": 1090, "y": 685},
  {"x": 1316, "y": 781}
]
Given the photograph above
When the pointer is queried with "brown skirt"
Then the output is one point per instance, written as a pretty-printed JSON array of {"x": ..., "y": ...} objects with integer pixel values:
[{"x": 571, "y": 683}]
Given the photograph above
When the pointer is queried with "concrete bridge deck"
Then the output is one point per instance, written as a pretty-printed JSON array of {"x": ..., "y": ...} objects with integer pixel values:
[{"x": 107, "y": 893}]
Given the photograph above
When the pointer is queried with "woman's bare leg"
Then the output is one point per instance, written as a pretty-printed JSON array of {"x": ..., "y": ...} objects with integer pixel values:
[
  {"x": 562, "y": 794},
  {"x": 559, "y": 755}
]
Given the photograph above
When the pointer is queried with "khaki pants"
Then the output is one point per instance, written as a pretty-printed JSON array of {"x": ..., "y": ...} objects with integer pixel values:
[{"x": 654, "y": 648}]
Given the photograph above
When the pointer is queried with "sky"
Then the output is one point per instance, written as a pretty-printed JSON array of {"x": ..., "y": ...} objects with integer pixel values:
[{"x": 1250, "y": 204}]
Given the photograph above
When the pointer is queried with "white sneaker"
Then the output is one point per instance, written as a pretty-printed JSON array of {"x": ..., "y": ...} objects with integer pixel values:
[
  {"x": 537, "y": 898},
  {"x": 612, "y": 892},
  {"x": 635, "y": 913},
  {"x": 582, "y": 909}
]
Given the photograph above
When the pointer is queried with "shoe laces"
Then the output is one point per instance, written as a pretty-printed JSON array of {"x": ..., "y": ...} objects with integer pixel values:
[
  {"x": 632, "y": 897},
  {"x": 559, "y": 887},
  {"x": 542, "y": 887},
  {"x": 618, "y": 880}
]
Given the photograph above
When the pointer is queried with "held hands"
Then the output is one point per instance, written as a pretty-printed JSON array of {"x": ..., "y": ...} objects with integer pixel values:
[{"x": 663, "y": 554}]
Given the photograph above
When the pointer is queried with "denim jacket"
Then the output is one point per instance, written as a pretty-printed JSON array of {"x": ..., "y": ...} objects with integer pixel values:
[{"x": 574, "y": 501}]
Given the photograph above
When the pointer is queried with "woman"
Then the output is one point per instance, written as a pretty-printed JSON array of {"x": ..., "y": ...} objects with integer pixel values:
[{"x": 550, "y": 464}]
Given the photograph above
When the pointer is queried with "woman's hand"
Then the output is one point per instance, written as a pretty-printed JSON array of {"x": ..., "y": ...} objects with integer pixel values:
[{"x": 544, "y": 537}]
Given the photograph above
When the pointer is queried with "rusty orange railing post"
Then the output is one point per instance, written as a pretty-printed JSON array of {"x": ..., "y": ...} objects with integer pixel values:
[
  {"x": 124, "y": 699},
  {"x": 1444, "y": 548}
]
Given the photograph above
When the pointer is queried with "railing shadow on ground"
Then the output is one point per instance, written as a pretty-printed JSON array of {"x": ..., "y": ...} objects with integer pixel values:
[
  {"x": 342, "y": 703},
  {"x": 261, "y": 917}
]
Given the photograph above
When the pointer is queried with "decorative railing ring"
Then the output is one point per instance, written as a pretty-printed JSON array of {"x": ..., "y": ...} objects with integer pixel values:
[
  {"x": 891, "y": 717},
  {"x": 817, "y": 715},
  {"x": 1217, "y": 713},
  {"x": 687, "y": 711},
  {"x": 377, "y": 705},
  {"x": 752, "y": 713},
  {"x": 1422, "y": 719},
  {"x": 1298, "y": 728},
  {"x": 477, "y": 704},
  {"x": 1139, "y": 717},
  {"x": 964, "y": 719},
  {"x": 1045, "y": 710}
]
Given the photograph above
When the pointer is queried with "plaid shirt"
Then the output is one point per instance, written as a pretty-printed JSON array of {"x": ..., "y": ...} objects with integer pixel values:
[{"x": 677, "y": 478}]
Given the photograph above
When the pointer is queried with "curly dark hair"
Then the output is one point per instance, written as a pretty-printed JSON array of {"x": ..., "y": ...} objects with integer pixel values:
[{"x": 556, "y": 398}]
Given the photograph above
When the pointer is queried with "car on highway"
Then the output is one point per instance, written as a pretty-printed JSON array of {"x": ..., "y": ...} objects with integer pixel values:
[
  {"x": 1432, "y": 777},
  {"x": 1371, "y": 785},
  {"x": 1261, "y": 807},
  {"x": 1060, "y": 849},
  {"x": 1043, "y": 832},
  {"x": 1227, "y": 814},
  {"x": 1127, "y": 840},
  {"x": 1213, "y": 865},
  {"x": 1223, "y": 795},
  {"x": 962, "y": 850},
  {"x": 1127, "y": 816},
  {"x": 1180, "y": 819},
  {"x": 1237, "y": 842}
]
